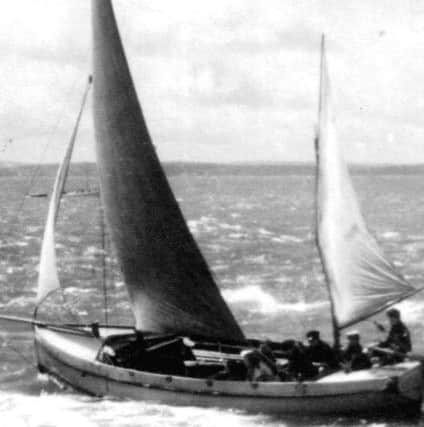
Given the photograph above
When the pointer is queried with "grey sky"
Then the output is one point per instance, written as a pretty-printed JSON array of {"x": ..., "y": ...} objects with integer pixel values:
[{"x": 228, "y": 80}]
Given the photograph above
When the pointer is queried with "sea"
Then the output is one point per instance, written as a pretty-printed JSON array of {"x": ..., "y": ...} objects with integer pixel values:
[{"x": 256, "y": 229}]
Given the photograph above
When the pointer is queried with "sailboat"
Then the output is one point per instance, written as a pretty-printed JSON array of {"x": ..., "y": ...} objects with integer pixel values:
[{"x": 174, "y": 298}]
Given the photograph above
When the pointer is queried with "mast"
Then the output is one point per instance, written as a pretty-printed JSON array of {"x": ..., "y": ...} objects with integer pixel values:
[{"x": 336, "y": 330}]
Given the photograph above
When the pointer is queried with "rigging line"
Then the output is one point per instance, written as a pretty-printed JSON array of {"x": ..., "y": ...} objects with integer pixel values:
[
  {"x": 37, "y": 171},
  {"x": 17, "y": 216}
]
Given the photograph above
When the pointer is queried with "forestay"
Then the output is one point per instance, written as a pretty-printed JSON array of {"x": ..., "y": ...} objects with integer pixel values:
[
  {"x": 170, "y": 285},
  {"x": 361, "y": 280},
  {"x": 48, "y": 279}
]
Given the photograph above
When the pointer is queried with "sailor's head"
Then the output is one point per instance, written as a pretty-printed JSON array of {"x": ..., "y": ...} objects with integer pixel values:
[
  {"x": 393, "y": 315},
  {"x": 353, "y": 337},
  {"x": 312, "y": 337}
]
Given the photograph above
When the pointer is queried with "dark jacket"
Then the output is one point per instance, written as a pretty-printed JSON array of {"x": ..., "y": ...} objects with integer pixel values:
[
  {"x": 354, "y": 357},
  {"x": 322, "y": 353},
  {"x": 300, "y": 365},
  {"x": 399, "y": 338}
]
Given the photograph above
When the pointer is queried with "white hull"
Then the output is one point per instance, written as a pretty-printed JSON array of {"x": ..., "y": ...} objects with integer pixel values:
[{"x": 72, "y": 359}]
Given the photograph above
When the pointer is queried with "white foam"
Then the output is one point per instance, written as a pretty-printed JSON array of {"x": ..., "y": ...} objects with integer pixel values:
[
  {"x": 203, "y": 224},
  {"x": 264, "y": 232},
  {"x": 93, "y": 250},
  {"x": 285, "y": 238},
  {"x": 220, "y": 267},
  {"x": 258, "y": 300},
  {"x": 260, "y": 259},
  {"x": 75, "y": 290},
  {"x": 74, "y": 239},
  {"x": 119, "y": 284},
  {"x": 235, "y": 227},
  {"x": 21, "y": 244},
  {"x": 390, "y": 235},
  {"x": 40, "y": 411}
]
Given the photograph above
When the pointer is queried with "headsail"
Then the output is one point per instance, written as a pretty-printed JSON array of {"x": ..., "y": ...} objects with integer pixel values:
[
  {"x": 361, "y": 280},
  {"x": 170, "y": 285},
  {"x": 48, "y": 279}
]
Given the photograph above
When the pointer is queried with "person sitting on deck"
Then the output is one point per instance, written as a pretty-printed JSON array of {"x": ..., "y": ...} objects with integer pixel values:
[
  {"x": 266, "y": 350},
  {"x": 300, "y": 366},
  {"x": 128, "y": 353},
  {"x": 259, "y": 366},
  {"x": 352, "y": 356},
  {"x": 234, "y": 370},
  {"x": 398, "y": 340},
  {"x": 320, "y": 352}
]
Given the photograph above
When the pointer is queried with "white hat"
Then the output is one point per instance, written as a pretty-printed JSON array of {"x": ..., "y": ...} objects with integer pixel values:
[{"x": 353, "y": 334}]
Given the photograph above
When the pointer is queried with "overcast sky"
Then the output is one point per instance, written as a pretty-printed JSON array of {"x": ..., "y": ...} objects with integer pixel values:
[{"x": 228, "y": 80}]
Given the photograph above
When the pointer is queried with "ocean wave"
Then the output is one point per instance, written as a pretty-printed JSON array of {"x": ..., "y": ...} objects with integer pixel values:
[
  {"x": 257, "y": 300},
  {"x": 285, "y": 238},
  {"x": 69, "y": 410},
  {"x": 93, "y": 251},
  {"x": 76, "y": 290},
  {"x": 18, "y": 244},
  {"x": 19, "y": 302},
  {"x": 264, "y": 232},
  {"x": 119, "y": 284},
  {"x": 237, "y": 235},
  {"x": 74, "y": 239},
  {"x": 390, "y": 235},
  {"x": 260, "y": 259},
  {"x": 234, "y": 227},
  {"x": 203, "y": 224},
  {"x": 415, "y": 237}
]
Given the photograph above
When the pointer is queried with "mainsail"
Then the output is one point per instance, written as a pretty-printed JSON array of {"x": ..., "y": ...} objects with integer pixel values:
[
  {"x": 360, "y": 279},
  {"x": 48, "y": 279},
  {"x": 170, "y": 285}
]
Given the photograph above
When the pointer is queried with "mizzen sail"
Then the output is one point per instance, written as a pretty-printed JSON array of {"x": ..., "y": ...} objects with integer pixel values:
[
  {"x": 169, "y": 283},
  {"x": 48, "y": 279},
  {"x": 360, "y": 279}
]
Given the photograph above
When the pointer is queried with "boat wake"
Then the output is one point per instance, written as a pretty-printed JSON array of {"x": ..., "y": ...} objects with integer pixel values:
[{"x": 255, "y": 299}]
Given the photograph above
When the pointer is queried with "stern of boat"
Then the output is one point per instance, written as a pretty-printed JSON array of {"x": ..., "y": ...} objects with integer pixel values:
[{"x": 409, "y": 382}]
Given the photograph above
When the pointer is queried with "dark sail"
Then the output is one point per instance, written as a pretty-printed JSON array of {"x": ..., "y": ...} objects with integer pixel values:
[{"x": 170, "y": 285}]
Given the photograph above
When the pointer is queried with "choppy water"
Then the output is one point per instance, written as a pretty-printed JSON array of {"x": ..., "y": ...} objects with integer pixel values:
[{"x": 256, "y": 232}]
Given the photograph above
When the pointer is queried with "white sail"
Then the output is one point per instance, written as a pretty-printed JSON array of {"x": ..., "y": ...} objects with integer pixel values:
[
  {"x": 361, "y": 280},
  {"x": 48, "y": 278}
]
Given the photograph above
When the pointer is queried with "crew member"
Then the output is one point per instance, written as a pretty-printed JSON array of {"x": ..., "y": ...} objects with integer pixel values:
[
  {"x": 300, "y": 366},
  {"x": 353, "y": 356},
  {"x": 259, "y": 366},
  {"x": 398, "y": 340},
  {"x": 320, "y": 352}
]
